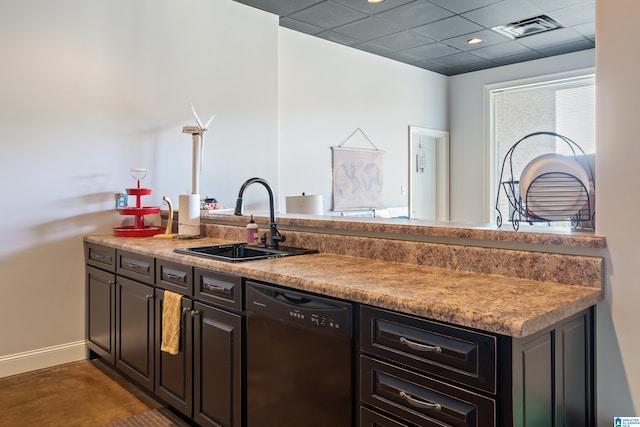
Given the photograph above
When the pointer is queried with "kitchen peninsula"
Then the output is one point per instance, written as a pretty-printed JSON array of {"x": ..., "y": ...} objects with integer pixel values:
[{"x": 516, "y": 319}]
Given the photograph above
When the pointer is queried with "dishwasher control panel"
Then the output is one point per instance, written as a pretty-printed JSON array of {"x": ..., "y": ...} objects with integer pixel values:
[
  {"x": 318, "y": 320},
  {"x": 302, "y": 310}
]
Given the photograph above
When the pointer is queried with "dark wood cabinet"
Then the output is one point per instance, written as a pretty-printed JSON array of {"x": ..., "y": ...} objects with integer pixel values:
[
  {"x": 174, "y": 277},
  {"x": 369, "y": 418},
  {"x": 101, "y": 313},
  {"x": 426, "y": 373},
  {"x": 135, "y": 331},
  {"x": 551, "y": 380},
  {"x": 217, "y": 366},
  {"x": 135, "y": 266},
  {"x": 417, "y": 372},
  {"x": 174, "y": 373},
  {"x": 411, "y": 371},
  {"x": 219, "y": 289}
]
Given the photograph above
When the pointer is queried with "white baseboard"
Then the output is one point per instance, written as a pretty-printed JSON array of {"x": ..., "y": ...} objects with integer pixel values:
[{"x": 42, "y": 358}]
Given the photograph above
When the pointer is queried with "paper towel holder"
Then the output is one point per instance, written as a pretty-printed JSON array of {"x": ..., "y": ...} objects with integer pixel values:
[{"x": 304, "y": 204}]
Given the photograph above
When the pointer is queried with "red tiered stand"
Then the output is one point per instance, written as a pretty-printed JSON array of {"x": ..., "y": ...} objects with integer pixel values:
[{"x": 139, "y": 229}]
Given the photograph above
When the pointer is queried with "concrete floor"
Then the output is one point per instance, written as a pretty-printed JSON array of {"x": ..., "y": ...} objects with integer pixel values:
[{"x": 85, "y": 393}]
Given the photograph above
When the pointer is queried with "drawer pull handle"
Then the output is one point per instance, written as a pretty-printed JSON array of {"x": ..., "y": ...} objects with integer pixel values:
[
  {"x": 98, "y": 256},
  {"x": 419, "y": 403},
  {"x": 172, "y": 276},
  {"x": 134, "y": 266},
  {"x": 420, "y": 347},
  {"x": 215, "y": 288}
]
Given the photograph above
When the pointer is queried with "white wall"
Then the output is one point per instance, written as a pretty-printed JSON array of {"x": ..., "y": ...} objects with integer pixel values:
[
  {"x": 90, "y": 90},
  {"x": 617, "y": 130},
  {"x": 326, "y": 91},
  {"x": 469, "y": 195}
]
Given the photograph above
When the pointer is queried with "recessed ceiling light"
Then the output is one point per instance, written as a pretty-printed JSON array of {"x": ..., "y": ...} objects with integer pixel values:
[
  {"x": 475, "y": 40},
  {"x": 375, "y": 1}
]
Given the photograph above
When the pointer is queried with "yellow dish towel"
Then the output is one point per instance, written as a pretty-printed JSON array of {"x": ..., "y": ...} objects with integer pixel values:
[{"x": 171, "y": 314}]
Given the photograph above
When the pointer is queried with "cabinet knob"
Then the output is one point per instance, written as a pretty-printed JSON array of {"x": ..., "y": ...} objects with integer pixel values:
[
  {"x": 149, "y": 296},
  {"x": 194, "y": 313},
  {"x": 111, "y": 283}
]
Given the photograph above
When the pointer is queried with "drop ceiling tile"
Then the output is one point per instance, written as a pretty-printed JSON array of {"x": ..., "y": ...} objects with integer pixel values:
[
  {"x": 567, "y": 48},
  {"x": 338, "y": 38},
  {"x": 369, "y": 28},
  {"x": 490, "y": 38},
  {"x": 431, "y": 66},
  {"x": 503, "y": 13},
  {"x": 403, "y": 30},
  {"x": 373, "y": 48},
  {"x": 281, "y": 7},
  {"x": 402, "y": 40},
  {"x": 575, "y": 15},
  {"x": 550, "y": 39},
  {"x": 328, "y": 15},
  {"x": 433, "y": 50},
  {"x": 461, "y": 6},
  {"x": 365, "y": 6},
  {"x": 447, "y": 28},
  {"x": 587, "y": 30},
  {"x": 549, "y": 5},
  {"x": 468, "y": 68},
  {"x": 401, "y": 57},
  {"x": 416, "y": 13},
  {"x": 521, "y": 57},
  {"x": 303, "y": 27},
  {"x": 499, "y": 50},
  {"x": 457, "y": 60}
]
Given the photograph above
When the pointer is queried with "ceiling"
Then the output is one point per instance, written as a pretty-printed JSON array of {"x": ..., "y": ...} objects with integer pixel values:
[{"x": 433, "y": 34}]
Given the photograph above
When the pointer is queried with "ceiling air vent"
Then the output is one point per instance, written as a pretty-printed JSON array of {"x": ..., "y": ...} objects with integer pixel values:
[{"x": 527, "y": 27}]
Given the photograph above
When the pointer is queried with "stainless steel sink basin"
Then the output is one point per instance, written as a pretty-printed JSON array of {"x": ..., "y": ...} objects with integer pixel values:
[{"x": 236, "y": 252}]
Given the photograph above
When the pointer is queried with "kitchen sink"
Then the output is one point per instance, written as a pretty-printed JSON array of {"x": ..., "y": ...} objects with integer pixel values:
[{"x": 236, "y": 252}]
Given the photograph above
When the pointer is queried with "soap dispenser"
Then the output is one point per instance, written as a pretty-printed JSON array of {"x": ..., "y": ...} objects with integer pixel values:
[{"x": 252, "y": 232}]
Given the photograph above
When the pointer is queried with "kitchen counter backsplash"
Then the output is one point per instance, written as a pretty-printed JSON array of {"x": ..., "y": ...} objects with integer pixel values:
[
  {"x": 540, "y": 266},
  {"x": 408, "y": 229}
]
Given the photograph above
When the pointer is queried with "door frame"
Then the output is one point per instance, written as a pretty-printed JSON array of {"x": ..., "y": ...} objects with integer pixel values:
[{"x": 442, "y": 168}]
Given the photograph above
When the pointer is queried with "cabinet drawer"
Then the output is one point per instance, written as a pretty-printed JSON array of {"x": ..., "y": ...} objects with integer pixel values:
[
  {"x": 100, "y": 256},
  {"x": 218, "y": 288},
  {"x": 422, "y": 400},
  {"x": 174, "y": 277},
  {"x": 369, "y": 418},
  {"x": 450, "y": 352},
  {"x": 135, "y": 266}
]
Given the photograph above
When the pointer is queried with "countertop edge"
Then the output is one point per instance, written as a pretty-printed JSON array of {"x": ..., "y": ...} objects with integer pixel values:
[{"x": 360, "y": 282}]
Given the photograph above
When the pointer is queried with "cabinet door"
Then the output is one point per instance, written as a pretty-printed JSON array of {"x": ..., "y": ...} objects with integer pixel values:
[
  {"x": 217, "y": 367},
  {"x": 101, "y": 313},
  {"x": 553, "y": 374},
  {"x": 174, "y": 373},
  {"x": 134, "y": 331}
]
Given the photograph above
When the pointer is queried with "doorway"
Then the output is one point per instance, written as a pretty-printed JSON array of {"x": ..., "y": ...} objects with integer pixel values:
[{"x": 428, "y": 174}]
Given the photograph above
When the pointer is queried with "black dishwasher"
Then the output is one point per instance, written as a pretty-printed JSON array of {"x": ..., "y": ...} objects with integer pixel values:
[{"x": 299, "y": 359}]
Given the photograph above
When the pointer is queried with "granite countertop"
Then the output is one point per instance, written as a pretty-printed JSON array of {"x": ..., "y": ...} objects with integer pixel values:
[{"x": 504, "y": 305}]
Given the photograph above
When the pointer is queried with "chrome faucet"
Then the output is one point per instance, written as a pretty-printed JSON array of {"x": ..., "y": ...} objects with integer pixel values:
[{"x": 274, "y": 235}]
